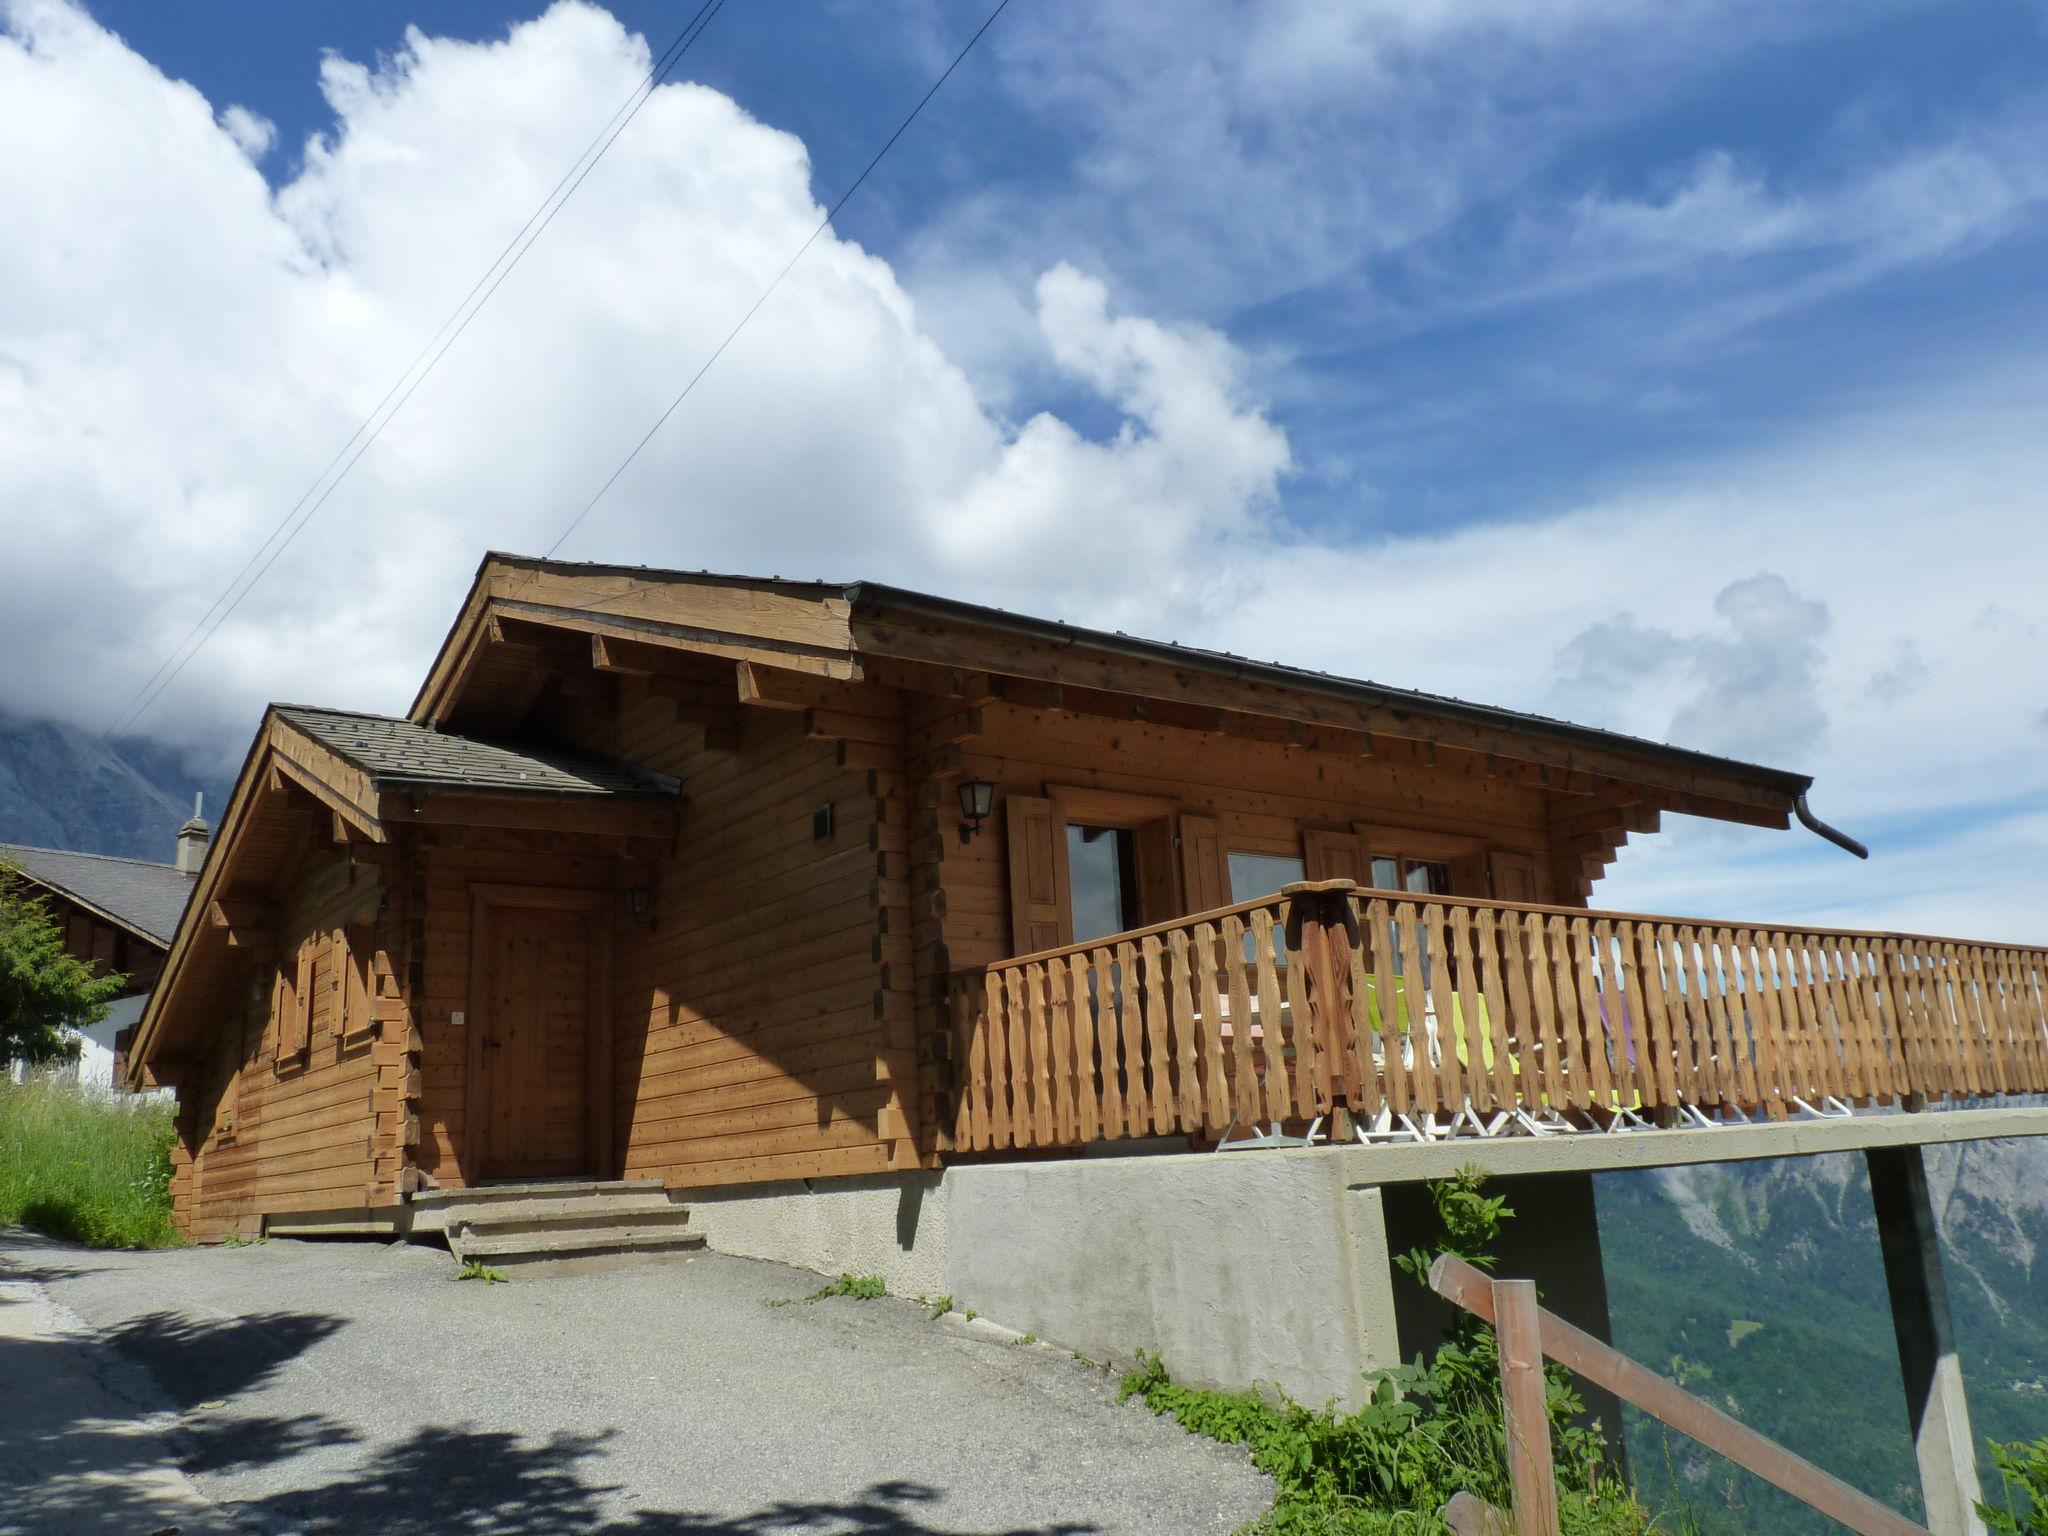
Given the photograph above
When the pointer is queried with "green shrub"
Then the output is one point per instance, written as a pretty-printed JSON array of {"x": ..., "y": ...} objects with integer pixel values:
[
  {"x": 2024, "y": 1465},
  {"x": 1429, "y": 1429},
  {"x": 80, "y": 1166}
]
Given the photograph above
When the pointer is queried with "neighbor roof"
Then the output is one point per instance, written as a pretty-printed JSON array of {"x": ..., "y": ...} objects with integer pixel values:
[
  {"x": 142, "y": 896},
  {"x": 399, "y": 755}
]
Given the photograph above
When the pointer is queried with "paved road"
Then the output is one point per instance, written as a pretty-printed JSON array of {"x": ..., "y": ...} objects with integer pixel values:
[{"x": 351, "y": 1387}]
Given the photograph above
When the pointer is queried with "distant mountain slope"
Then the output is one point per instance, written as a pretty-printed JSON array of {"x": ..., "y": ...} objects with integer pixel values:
[
  {"x": 1759, "y": 1285},
  {"x": 60, "y": 789}
]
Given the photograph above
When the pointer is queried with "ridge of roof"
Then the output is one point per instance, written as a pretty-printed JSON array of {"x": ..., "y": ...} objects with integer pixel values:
[{"x": 80, "y": 853}]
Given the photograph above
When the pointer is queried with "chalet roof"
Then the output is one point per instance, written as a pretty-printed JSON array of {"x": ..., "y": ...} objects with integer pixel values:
[
  {"x": 872, "y": 597},
  {"x": 140, "y": 895},
  {"x": 399, "y": 755}
]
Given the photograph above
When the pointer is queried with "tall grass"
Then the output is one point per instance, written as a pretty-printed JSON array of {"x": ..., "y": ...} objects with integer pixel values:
[{"x": 85, "y": 1166}]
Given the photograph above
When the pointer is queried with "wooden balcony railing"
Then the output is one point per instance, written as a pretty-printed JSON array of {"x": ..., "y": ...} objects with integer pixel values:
[{"x": 1329, "y": 996}]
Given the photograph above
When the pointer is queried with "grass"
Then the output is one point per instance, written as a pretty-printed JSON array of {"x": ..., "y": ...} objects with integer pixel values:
[
  {"x": 80, "y": 1166},
  {"x": 477, "y": 1269},
  {"x": 859, "y": 1287}
]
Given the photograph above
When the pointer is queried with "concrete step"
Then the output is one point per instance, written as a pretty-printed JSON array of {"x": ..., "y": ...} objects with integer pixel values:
[
  {"x": 435, "y": 1210},
  {"x": 644, "y": 1207},
  {"x": 561, "y": 1225},
  {"x": 577, "y": 1251},
  {"x": 532, "y": 1189}
]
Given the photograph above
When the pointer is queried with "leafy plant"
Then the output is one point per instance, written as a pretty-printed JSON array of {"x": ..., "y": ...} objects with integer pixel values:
[
  {"x": 88, "y": 1168},
  {"x": 859, "y": 1287},
  {"x": 2024, "y": 1465},
  {"x": 45, "y": 992},
  {"x": 477, "y": 1269},
  {"x": 1428, "y": 1429},
  {"x": 940, "y": 1306}
]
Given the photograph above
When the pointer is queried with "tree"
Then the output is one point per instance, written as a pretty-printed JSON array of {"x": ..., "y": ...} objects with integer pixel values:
[{"x": 44, "y": 992}]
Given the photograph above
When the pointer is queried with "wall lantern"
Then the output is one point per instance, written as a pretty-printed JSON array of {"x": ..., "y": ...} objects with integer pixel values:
[
  {"x": 977, "y": 799},
  {"x": 640, "y": 905}
]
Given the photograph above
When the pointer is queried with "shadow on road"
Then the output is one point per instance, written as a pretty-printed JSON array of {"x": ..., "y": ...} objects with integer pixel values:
[
  {"x": 86, "y": 1442},
  {"x": 492, "y": 1483}
]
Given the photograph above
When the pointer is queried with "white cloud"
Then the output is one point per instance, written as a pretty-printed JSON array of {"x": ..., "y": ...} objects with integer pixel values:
[
  {"x": 1247, "y": 152},
  {"x": 1751, "y": 693},
  {"x": 253, "y": 133},
  {"x": 180, "y": 351}
]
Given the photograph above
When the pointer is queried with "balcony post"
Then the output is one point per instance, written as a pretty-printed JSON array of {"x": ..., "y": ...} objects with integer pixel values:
[
  {"x": 1940, "y": 1414},
  {"x": 1318, "y": 911}
]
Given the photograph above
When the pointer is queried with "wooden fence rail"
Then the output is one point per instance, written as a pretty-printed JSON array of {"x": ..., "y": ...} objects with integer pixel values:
[
  {"x": 1527, "y": 1334},
  {"x": 1328, "y": 996}
]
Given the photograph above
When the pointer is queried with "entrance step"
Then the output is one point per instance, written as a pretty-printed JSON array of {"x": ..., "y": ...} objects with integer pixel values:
[{"x": 567, "y": 1226}]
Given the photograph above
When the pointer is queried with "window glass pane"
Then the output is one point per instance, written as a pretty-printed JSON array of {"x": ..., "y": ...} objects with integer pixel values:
[
  {"x": 1253, "y": 875},
  {"x": 1432, "y": 877},
  {"x": 1386, "y": 874},
  {"x": 1101, "y": 881}
]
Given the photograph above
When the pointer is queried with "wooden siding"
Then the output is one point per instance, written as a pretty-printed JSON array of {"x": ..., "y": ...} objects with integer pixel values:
[
  {"x": 765, "y": 1020},
  {"x": 1263, "y": 797},
  {"x": 264, "y": 1134}
]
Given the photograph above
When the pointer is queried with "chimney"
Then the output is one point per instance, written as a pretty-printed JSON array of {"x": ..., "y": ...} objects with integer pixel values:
[{"x": 193, "y": 838}]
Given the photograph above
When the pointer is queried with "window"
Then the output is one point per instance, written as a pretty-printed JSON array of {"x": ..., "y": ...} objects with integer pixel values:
[
  {"x": 1427, "y": 877},
  {"x": 1102, "y": 880},
  {"x": 1253, "y": 875}
]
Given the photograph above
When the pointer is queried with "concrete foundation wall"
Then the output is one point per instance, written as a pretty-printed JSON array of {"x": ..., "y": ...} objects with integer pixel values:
[
  {"x": 892, "y": 1225},
  {"x": 1239, "y": 1268}
]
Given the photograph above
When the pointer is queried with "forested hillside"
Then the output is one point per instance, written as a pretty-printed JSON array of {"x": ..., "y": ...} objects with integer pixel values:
[
  {"x": 59, "y": 788},
  {"x": 1760, "y": 1287}
]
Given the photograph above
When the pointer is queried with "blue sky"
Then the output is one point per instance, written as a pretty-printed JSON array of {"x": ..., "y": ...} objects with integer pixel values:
[
  {"x": 1509, "y": 404},
  {"x": 1676, "y": 367}
]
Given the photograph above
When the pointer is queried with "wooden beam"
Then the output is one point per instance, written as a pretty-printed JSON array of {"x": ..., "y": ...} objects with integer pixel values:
[
  {"x": 250, "y": 922},
  {"x": 1074, "y": 662},
  {"x": 602, "y": 815},
  {"x": 767, "y": 687}
]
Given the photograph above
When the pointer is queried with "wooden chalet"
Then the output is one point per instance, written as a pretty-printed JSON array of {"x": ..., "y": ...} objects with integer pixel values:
[
  {"x": 716, "y": 880},
  {"x": 117, "y": 915}
]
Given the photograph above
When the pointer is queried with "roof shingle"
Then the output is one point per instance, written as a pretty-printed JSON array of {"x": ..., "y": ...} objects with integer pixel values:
[
  {"x": 399, "y": 755},
  {"x": 137, "y": 893}
]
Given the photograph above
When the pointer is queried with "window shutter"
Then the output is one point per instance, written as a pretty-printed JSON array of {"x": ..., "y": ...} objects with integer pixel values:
[
  {"x": 1334, "y": 856},
  {"x": 1038, "y": 895},
  {"x": 298, "y": 1033},
  {"x": 1204, "y": 875},
  {"x": 1158, "y": 872},
  {"x": 1514, "y": 876}
]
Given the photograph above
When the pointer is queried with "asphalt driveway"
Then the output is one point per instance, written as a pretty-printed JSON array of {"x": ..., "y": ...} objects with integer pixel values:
[{"x": 353, "y": 1387}]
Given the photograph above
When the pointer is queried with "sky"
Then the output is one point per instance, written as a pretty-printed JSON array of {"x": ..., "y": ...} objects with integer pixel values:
[{"x": 1674, "y": 367}]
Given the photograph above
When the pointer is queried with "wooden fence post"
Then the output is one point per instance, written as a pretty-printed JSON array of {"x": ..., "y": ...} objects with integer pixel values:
[{"x": 1525, "y": 1407}]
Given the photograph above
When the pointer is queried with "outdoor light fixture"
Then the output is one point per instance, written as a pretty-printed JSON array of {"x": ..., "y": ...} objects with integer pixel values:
[
  {"x": 977, "y": 799},
  {"x": 640, "y": 904}
]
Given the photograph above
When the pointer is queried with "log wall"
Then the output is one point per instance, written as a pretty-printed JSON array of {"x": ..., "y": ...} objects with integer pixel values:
[
  {"x": 765, "y": 1010},
  {"x": 266, "y": 1130}
]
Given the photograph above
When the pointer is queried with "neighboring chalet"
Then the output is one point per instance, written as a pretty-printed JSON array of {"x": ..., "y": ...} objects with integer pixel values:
[
  {"x": 857, "y": 914},
  {"x": 118, "y": 914}
]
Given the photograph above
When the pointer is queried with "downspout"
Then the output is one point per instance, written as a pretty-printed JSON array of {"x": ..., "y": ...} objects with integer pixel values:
[{"x": 1814, "y": 824}]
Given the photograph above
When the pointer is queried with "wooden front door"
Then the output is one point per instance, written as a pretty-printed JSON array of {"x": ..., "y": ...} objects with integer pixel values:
[{"x": 539, "y": 1096}]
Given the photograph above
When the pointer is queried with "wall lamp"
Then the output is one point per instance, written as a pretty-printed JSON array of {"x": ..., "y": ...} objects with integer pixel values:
[
  {"x": 640, "y": 905},
  {"x": 977, "y": 799}
]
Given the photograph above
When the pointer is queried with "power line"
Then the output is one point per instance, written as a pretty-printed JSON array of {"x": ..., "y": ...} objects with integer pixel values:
[
  {"x": 371, "y": 427},
  {"x": 810, "y": 240}
]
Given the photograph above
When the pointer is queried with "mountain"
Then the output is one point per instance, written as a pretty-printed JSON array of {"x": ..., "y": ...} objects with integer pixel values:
[
  {"x": 1759, "y": 1286},
  {"x": 59, "y": 788}
]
